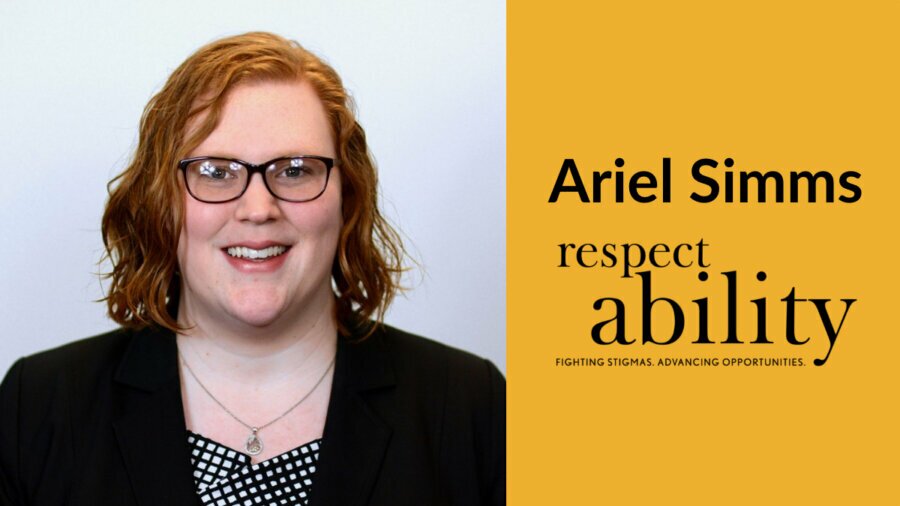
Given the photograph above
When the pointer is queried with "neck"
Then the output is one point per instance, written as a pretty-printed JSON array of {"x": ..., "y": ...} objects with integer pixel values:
[{"x": 252, "y": 356}]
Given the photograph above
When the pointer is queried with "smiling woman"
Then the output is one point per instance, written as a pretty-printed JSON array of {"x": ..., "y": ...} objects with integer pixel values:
[{"x": 251, "y": 270}]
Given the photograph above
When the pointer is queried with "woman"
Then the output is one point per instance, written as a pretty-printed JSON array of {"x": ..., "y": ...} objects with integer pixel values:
[{"x": 249, "y": 259}]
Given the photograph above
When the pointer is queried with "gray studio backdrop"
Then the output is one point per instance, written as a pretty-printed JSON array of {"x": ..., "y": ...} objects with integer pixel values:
[{"x": 429, "y": 81}]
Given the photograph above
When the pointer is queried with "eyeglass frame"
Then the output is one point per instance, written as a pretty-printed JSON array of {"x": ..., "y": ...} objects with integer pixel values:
[{"x": 253, "y": 168}]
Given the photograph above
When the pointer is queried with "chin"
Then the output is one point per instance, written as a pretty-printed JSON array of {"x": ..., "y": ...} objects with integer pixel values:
[
  {"x": 256, "y": 317},
  {"x": 257, "y": 309}
]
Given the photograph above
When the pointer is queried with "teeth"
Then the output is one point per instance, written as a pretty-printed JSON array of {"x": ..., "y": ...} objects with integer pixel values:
[{"x": 254, "y": 254}]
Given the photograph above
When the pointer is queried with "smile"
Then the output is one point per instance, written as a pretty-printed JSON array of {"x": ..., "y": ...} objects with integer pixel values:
[{"x": 255, "y": 254}]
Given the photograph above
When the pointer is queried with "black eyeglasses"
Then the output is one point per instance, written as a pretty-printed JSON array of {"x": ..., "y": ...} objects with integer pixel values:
[{"x": 215, "y": 180}]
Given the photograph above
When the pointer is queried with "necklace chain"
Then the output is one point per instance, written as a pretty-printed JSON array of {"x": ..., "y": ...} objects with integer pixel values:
[{"x": 255, "y": 429}]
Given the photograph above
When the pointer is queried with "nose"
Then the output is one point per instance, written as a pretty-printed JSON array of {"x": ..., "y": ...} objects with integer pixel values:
[{"x": 257, "y": 204}]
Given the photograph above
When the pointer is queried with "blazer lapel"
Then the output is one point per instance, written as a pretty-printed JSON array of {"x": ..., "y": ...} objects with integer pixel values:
[
  {"x": 150, "y": 428},
  {"x": 355, "y": 438}
]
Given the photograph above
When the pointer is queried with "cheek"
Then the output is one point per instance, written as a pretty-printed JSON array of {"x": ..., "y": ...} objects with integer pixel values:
[
  {"x": 321, "y": 224},
  {"x": 201, "y": 222},
  {"x": 324, "y": 218}
]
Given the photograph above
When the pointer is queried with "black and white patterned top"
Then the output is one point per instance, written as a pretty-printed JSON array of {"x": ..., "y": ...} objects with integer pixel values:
[{"x": 226, "y": 477}]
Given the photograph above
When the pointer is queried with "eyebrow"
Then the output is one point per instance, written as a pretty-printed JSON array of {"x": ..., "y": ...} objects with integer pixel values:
[{"x": 220, "y": 154}]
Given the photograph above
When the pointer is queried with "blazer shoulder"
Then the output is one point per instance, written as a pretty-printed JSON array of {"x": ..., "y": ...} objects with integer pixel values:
[
  {"x": 100, "y": 345},
  {"x": 83, "y": 355},
  {"x": 431, "y": 368},
  {"x": 429, "y": 355},
  {"x": 72, "y": 365}
]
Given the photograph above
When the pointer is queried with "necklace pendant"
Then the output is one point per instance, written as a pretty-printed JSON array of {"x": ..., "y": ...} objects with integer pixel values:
[{"x": 254, "y": 444}]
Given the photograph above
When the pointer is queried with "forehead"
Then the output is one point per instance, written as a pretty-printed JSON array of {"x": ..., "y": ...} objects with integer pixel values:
[{"x": 269, "y": 119}]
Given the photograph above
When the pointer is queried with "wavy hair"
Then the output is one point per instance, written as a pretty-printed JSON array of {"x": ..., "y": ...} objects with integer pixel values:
[{"x": 143, "y": 217}]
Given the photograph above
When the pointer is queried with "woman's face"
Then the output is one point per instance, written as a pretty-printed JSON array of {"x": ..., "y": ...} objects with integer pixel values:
[{"x": 260, "y": 122}]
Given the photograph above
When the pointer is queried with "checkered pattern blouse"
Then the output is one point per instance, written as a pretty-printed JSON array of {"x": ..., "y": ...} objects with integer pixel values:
[{"x": 225, "y": 477}]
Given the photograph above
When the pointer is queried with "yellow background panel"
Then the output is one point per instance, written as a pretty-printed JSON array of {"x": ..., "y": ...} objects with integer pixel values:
[{"x": 775, "y": 87}]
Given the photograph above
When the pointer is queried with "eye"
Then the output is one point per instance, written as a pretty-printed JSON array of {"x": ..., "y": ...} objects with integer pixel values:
[
  {"x": 294, "y": 170},
  {"x": 218, "y": 171}
]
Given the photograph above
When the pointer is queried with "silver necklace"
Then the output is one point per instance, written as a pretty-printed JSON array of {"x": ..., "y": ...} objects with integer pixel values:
[{"x": 254, "y": 444}]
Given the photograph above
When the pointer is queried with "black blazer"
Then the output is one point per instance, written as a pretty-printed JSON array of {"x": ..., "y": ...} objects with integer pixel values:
[{"x": 100, "y": 422}]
